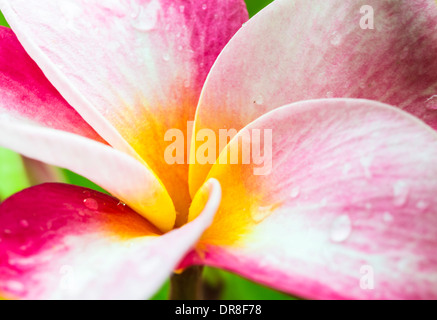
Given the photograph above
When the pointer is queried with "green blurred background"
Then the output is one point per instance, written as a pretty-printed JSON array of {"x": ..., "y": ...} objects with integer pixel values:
[{"x": 221, "y": 284}]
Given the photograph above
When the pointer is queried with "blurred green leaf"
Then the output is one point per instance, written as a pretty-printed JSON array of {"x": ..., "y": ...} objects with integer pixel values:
[
  {"x": 3, "y": 20},
  {"x": 163, "y": 293},
  {"x": 253, "y": 6},
  {"x": 234, "y": 287},
  {"x": 78, "y": 180},
  {"x": 13, "y": 177}
]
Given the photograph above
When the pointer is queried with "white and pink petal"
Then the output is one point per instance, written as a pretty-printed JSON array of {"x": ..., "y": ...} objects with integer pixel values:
[
  {"x": 314, "y": 49},
  {"x": 65, "y": 242},
  {"x": 132, "y": 69},
  {"x": 118, "y": 173},
  {"x": 348, "y": 209}
]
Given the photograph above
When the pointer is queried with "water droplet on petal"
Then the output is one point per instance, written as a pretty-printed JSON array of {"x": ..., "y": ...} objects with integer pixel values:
[
  {"x": 204, "y": 6},
  {"x": 259, "y": 100},
  {"x": 431, "y": 103},
  {"x": 336, "y": 39},
  {"x": 422, "y": 205},
  {"x": 400, "y": 193},
  {"x": 346, "y": 169},
  {"x": 7, "y": 231},
  {"x": 121, "y": 203},
  {"x": 166, "y": 57},
  {"x": 295, "y": 192},
  {"x": 91, "y": 203},
  {"x": 15, "y": 286},
  {"x": 341, "y": 229},
  {"x": 324, "y": 202},
  {"x": 145, "y": 18},
  {"x": 24, "y": 223},
  {"x": 387, "y": 217},
  {"x": 366, "y": 162},
  {"x": 181, "y": 9}
]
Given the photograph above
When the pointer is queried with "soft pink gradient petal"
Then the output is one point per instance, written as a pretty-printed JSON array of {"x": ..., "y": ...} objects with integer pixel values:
[
  {"x": 26, "y": 93},
  {"x": 121, "y": 175},
  {"x": 312, "y": 49},
  {"x": 353, "y": 186},
  {"x": 132, "y": 69},
  {"x": 66, "y": 242}
]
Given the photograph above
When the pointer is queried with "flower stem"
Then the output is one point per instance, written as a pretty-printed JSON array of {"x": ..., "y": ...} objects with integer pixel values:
[{"x": 187, "y": 285}]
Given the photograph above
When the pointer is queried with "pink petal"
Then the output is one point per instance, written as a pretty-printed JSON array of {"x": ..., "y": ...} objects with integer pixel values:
[
  {"x": 113, "y": 170},
  {"x": 61, "y": 241},
  {"x": 300, "y": 50},
  {"x": 26, "y": 93},
  {"x": 352, "y": 192},
  {"x": 132, "y": 69}
]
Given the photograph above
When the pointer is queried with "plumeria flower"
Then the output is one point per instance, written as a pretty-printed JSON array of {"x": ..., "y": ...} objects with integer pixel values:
[{"x": 349, "y": 209}]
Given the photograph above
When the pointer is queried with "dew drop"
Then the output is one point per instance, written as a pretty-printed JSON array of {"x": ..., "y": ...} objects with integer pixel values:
[
  {"x": 341, "y": 229},
  {"x": 336, "y": 39},
  {"x": 166, "y": 57},
  {"x": 181, "y": 9},
  {"x": 259, "y": 100},
  {"x": 324, "y": 202},
  {"x": 387, "y": 217},
  {"x": 431, "y": 103},
  {"x": 91, "y": 203},
  {"x": 121, "y": 203},
  {"x": 7, "y": 231},
  {"x": 346, "y": 169},
  {"x": 204, "y": 6},
  {"x": 366, "y": 162},
  {"x": 422, "y": 205},
  {"x": 15, "y": 286},
  {"x": 400, "y": 193},
  {"x": 24, "y": 223},
  {"x": 145, "y": 18},
  {"x": 295, "y": 192},
  {"x": 261, "y": 214}
]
